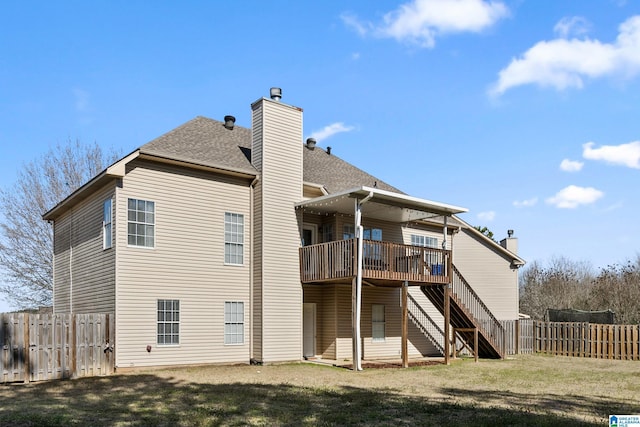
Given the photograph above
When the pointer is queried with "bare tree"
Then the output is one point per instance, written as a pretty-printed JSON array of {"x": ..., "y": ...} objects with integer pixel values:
[
  {"x": 570, "y": 284},
  {"x": 26, "y": 240},
  {"x": 564, "y": 284},
  {"x": 617, "y": 288}
]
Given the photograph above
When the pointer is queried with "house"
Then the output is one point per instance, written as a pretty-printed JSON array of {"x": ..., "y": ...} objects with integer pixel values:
[{"x": 219, "y": 244}]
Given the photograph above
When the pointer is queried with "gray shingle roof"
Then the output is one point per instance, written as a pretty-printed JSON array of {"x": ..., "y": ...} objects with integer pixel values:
[
  {"x": 336, "y": 174},
  {"x": 207, "y": 142}
]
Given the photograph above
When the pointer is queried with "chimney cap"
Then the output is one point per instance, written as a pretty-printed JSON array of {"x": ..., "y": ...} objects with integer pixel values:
[
  {"x": 311, "y": 143},
  {"x": 510, "y": 233},
  {"x": 229, "y": 122},
  {"x": 275, "y": 93}
]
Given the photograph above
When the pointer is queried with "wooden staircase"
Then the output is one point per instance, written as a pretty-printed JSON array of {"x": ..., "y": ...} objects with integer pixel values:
[{"x": 467, "y": 312}]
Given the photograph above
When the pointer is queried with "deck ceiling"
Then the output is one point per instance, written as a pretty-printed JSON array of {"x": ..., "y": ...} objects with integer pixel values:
[{"x": 383, "y": 205}]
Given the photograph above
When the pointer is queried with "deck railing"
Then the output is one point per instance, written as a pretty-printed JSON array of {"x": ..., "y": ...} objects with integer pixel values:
[
  {"x": 381, "y": 260},
  {"x": 485, "y": 320},
  {"x": 328, "y": 261}
]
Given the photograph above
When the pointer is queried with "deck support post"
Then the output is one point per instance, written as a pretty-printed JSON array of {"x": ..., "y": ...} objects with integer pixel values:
[
  {"x": 357, "y": 287},
  {"x": 447, "y": 307},
  {"x": 405, "y": 324},
  {"x": 447, "y": 321}
]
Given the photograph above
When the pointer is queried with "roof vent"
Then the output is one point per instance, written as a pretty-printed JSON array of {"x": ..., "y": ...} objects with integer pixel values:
[
  {"x": 229, "y": 122},
  {"x": 311, "y": 143},
  {"x": 275, "y": 93},
  {"x": 329, "y": 150}
]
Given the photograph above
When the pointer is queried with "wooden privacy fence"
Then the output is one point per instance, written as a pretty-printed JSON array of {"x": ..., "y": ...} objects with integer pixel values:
[
  {"x": 38, "y": 347},
  {"x": 518, "y": 336},
  {"x": 588, "y": 340}
]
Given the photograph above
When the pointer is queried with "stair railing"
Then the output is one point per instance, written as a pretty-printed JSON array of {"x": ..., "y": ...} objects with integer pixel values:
[{"x": 485, "y": 320}]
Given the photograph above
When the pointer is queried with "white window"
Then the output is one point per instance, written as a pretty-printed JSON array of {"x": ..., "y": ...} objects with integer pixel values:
[
  {"x": 168, "y": 322},
  {"x": 233, "y": 322},
  {"x": 106, "y": 224},
  {"x": 233, "y": 238},
  {"x": 377, "y": 322},
  {"x": 424, "y": 241},
  {"x": 141, "y": 223}
]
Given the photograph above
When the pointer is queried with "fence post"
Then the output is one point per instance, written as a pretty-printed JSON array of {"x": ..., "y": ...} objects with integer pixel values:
[
  {"x": 74, "y": 345},
  {"x": 27, "y": 350},
  {"x": 517, "y": 333}
]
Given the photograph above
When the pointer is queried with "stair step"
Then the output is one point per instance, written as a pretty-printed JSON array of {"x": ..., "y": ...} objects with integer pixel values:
[{"x": 461, "y": 318}]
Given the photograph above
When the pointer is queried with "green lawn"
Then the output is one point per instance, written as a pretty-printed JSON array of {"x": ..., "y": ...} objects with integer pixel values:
[{"x": 527, "y": 390}]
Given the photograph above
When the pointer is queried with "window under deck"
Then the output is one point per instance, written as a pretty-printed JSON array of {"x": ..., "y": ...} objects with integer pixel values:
[{"x": 383, "y": 262}]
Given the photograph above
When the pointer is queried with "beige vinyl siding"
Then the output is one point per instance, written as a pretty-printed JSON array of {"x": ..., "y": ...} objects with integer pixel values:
[
  {"x": 329, "y": 323},
  {"x": 186, "y": 264},
  {"x": 418, "y": 344},
  {"x": 279, "y": 133},
  {"x": 416, "y": 338},
  {"x": 256, "y": 224},
  {"x": 344, "y": 326},
  {"x": 390, "y": 298},
  {"x": 489, "y": 273},
  {"x": 84, "y": 271},
  {"x": 61, "y": 270},
  {"x": 336, "y": 326}
]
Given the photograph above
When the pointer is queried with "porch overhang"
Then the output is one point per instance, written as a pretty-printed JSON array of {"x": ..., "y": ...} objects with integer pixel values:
[{"x": 382, "y": 205}]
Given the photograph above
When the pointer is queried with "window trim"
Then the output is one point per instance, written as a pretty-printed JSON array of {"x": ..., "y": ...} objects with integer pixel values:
[
  {"x": 427, "y": 241},
  {"x": 231, "y": 243},
  {"x": 142, "y": 223},
  {"x": 165, "y": 322},
  {"x": 107, "y": 224},
  {"x": 228, "y": 322}
]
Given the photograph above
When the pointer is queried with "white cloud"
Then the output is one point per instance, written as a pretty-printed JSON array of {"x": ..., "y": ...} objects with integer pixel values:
[
  {"x": 354, "y": 23},
  {"x": 81, "y": 98},
  {"x": 355, "y": 56},
  {"x": 624, "y": 154},
  {"x": 487, "y": 216},
  {"x": 573, "y": 196},
  {"x": 575, "y": 25},
  {"x": 562, "y": 63},
  {"x": 526, "y": 203},
  {"x": 331, "y": 130},
  {"x": 420, "y": 21},
  {"x": 614, "y": 207},
  {"x": 571, "y": 165}
]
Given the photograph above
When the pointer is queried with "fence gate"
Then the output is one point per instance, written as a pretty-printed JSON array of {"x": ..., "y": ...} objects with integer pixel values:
[{"x": 38, "y": 347}]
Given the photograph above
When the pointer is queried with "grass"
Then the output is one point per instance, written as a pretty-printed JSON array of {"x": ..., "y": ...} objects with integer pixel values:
[{"x": 527, "y": 390}]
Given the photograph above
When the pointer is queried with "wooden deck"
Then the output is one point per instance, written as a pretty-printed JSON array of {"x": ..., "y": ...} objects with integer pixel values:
[{"x": 384, "y": 263}]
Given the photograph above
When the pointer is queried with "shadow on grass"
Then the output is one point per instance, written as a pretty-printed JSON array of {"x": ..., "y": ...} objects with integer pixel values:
[
  {"x": 540, "y": 402},
  {"x": 136, "y": 400}
]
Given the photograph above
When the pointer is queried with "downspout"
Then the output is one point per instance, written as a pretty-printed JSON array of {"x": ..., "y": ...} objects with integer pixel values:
[
  {"x": 357, "y": 301},
  {"x": 71, "y": 262},
  {"x": 251, "y": 255}
]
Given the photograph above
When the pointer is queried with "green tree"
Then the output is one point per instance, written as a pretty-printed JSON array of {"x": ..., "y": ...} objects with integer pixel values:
[
  {"x": 26, "y": 240},
  {"x": 485, "y": 231}
]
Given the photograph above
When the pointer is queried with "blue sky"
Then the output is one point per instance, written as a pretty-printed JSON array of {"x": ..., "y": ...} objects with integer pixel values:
[{"x": 525, "y": 112}]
